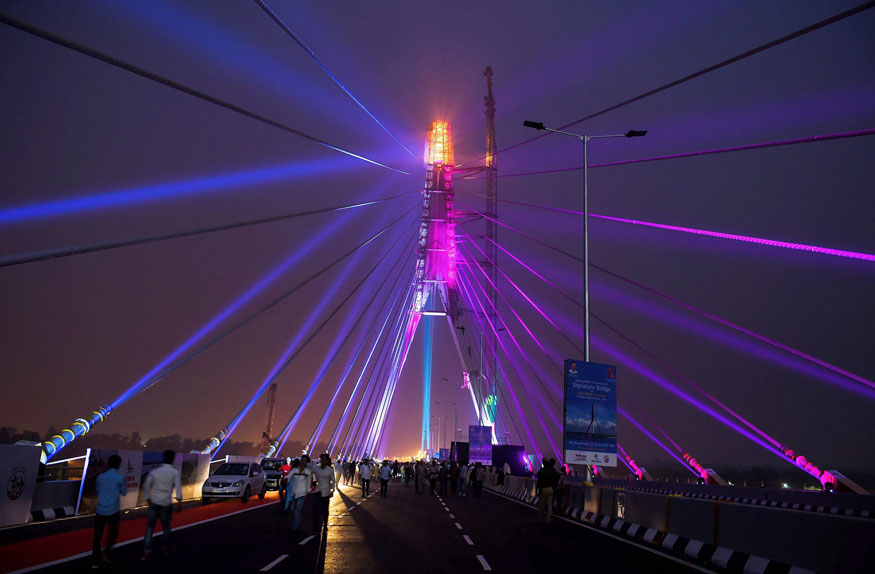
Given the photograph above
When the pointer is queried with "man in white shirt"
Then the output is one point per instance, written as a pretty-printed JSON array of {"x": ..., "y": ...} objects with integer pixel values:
[
  {"x": 385, "y": 476},
  {"x": 299, "y": 485},
  {"x": 365, "y": 476},
  {"x": 158, "y": 490},
  {"x": 325, "y": 484}
]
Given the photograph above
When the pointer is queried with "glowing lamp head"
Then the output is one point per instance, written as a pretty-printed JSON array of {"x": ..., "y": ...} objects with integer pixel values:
[{"x": 439, "y": 148}]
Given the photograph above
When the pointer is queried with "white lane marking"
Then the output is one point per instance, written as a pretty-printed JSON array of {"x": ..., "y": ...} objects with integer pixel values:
[
  {"x": 275, "y": 562},
  {"x": 447, "y": 509},
  {"x": 468, "y": 540},
  {"x": 452, "y": 515},
  {"x": 484, "y": 563},
  {"x": 615, "y": 537},
  {"x": 459, "y": 526},
  {"x": 306, "y": 540},
  {"x": 133, "y": 540}
]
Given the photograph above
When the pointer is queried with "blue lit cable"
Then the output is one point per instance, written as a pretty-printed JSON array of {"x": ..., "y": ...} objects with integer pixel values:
[
  {"x": 325, "y": 69},
  {"x": 54, "y": 253},
  {"x": 314, "y": 438},
  {"x": 342, "y": 419},
  {"x": 45, "y": 35},
  {"x": 284, "y": 434}
]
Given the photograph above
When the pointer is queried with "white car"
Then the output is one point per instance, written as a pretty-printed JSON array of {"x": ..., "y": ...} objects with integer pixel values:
[{"x": 235, "y": 480}]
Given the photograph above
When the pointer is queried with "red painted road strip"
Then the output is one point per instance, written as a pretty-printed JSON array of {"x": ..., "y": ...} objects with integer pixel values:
[{"x": 29, "y": 553}]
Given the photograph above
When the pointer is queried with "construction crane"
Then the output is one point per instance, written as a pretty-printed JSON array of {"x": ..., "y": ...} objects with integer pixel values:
[{"x": 266, "y": 436}]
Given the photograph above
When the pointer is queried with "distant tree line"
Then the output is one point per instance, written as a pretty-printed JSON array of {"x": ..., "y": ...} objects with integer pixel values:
[{"x": 135, "y": 441}]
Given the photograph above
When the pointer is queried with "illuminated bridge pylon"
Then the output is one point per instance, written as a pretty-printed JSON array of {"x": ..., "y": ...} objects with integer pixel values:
[{"x": 436, "y": 292}]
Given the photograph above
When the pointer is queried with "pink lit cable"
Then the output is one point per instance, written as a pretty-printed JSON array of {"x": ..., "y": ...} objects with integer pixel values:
[
  {"x": 762, "y": 338},
  {"x": 468, "y": 297},
  {"x": 789, "y": 453},
  {"x": 469, "y": 287},
  {"x": 744, "y": 238},
  {"x": 761, "y": 145},
  {"x": 706, "y": 232}
]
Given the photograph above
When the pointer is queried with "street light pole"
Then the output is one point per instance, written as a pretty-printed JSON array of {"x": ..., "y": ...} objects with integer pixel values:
[{"x": 584, "y": 140}]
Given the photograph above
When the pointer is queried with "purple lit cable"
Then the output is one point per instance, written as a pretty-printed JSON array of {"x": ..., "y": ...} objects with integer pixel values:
[
  {"x": 362, "y": 424},
  {"x": 510, "y": 306},
  {"x": 404, "y": 338},
  {"x": 665, "y": 384},
  {"x": 325, "y": 69},
  {"x": 471, "y": 296},
  {"x": 771, "y": 440},
  {"x": 527, "y": 298},
  {"x": 745, "y": 238},
  {"x": 698, "y": 311},
  {"x": 318, "y": 379},
  {"x": 471, "y": 259},
  {"x": 711, "y": 68},
  {"x": 359, "y": 427},
  {"x": 689, "y": 382},
  {"x": 649, "y": 435},
  {"x": 708, "y": 233},
  {"x": 342, "y": 422},
  {"x": 671, "y": 369},
  {"x": 744, "y": 330},
  {"x": 314, "y": 438},
  {"x": 463, "y": 290},
  {"x": 762, "y": 145},
  {"x": 550, "y": 411}
]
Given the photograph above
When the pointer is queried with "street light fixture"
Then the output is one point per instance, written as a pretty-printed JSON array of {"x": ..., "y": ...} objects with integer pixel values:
[{"x": 584, "y": 139}]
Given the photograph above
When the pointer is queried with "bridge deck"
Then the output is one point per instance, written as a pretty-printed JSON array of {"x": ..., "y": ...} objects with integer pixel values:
[{"x": 400, "y": 533}]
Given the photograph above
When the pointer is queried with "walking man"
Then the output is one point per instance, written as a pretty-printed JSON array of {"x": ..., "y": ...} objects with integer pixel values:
[
  {"x": 110, "y": 486},
  {"x": 548, "y": 480},
  {"x": 299, "y": 485},
  {"x": 463, "y": 479},
  {"x": 158, "y": 490},
  {"x": 365, "y": 476},
  {"x": 477, "y": 475},
  {"x": 385, "y": 475},
  {"x": 325, "y": 485},
  {"x": 443, "y": 477}
]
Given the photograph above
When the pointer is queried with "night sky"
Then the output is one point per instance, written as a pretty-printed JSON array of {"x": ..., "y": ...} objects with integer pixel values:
[{"x": 102, "y": 154}]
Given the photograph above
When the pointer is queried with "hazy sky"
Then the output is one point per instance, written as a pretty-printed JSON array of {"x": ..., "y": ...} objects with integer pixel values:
[{"x": 126, "y": 157}]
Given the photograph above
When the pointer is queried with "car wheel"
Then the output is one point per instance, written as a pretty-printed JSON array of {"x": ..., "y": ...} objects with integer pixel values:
[
  {"x": 263, "y": 491},
  {"x": 246, "y": 494}
]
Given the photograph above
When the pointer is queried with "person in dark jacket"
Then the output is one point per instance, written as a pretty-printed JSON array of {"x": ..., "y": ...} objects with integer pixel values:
[{"x": 548, "y": 481}]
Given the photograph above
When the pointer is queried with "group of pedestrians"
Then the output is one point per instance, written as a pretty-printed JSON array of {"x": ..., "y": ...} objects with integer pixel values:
[
  {"x": 301, "y": 477},
  {"x": 158, "y": 490}
]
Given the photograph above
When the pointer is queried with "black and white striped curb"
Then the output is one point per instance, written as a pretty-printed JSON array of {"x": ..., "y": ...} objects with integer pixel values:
[
  {"x": 669, "y": 543},
  {"x": 855, "y": 512},
  {"x": 51, "y": 513}
]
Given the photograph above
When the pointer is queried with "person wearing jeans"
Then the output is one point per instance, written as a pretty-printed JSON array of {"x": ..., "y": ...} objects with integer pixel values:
[
  {"x": 158, "y": 489},
  {"x": 548, "y": 480},
  {"x": 325, "y": 485},
  {"x": 110, "y": 485},
  {"x": 301, "y": 477}
]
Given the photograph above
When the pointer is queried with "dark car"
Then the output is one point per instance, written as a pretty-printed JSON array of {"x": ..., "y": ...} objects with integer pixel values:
[{"x": 272, "y": 472}]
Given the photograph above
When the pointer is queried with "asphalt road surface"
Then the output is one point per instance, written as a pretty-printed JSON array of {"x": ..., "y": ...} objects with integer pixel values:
[{"x": 404, "y": 532}]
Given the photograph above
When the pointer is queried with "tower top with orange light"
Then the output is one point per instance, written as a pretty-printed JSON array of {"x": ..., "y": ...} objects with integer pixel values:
[{"x": 439, "y": 147}]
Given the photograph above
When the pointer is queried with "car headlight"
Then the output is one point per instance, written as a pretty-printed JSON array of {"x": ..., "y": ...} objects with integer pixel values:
[{"x": 238, "y": 483}]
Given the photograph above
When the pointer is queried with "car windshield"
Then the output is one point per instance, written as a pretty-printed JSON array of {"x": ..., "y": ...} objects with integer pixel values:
[
  {"x": 236, "y": 469},
  {"x": 272, "y": 464}
]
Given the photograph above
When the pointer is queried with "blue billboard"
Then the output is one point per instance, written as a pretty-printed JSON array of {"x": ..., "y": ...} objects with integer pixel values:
[
  {"x": 480, "y": 444},
  {"x": 590, "y": 413}
]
